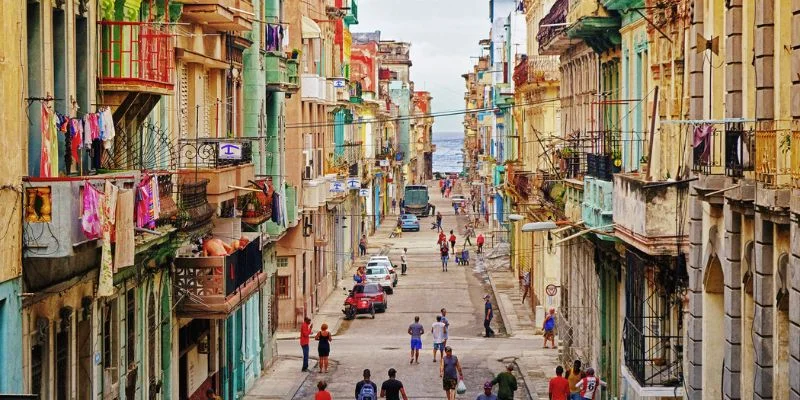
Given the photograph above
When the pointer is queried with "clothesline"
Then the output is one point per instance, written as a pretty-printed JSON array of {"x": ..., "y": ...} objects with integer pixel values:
[{"x": 706, "y": 121}]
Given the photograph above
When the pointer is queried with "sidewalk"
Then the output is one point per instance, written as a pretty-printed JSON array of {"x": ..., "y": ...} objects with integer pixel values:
[
  {"x": 280, "y": 381},
  {"x": 536, "y": 364}
]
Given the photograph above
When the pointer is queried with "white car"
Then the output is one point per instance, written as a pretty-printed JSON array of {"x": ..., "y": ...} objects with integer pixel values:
[
  {"x": 379, "y": 273},
  {"x": 386, "y": 261}
]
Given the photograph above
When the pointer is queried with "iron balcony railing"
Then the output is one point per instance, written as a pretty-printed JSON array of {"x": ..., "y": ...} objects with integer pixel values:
[
  {"x": 795, "y": 166},
  {"x": 739, "y": 149},
  {"x": 214, "y": 152},
  {"x": 773, "y": 147},
  {"x": 135, "y": 53}
]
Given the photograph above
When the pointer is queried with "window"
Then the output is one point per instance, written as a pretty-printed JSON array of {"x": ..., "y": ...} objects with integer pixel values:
[
  {"x": 110, "y": 336},
  {"x": 130, "y": 326},
  {"x": 283, "y": 287},
  {"x": 282, "y": 262},
  {"x": 62, "y": 363}
]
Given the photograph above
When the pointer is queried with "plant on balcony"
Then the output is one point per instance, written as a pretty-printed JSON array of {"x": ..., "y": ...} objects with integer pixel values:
[
  {"x": 295, "y": 54},
  {"x": 785, "y": 145}
]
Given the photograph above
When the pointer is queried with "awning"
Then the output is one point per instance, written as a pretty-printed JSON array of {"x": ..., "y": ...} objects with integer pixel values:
[{"x": 311, "y": 29}]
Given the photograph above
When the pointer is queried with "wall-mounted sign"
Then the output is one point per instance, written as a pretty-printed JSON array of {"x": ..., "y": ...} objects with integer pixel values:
[
  {"x": 353, "y": 183},
  {"x": 363, "y": 192},
  {"x": 337, "y": 187},
  {"x": 384, "y": 163},
  {"x": 229, "y": 151},
  {"x": 339, "y": 83}
]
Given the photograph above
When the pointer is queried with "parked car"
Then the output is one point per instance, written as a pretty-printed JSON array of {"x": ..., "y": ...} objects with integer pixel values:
[
  {"x": 377, "y": 272},
  {"x": 373, "y": 292},
  {"x": 388, "y": 264},
  {"x": 409, "y": 222}
]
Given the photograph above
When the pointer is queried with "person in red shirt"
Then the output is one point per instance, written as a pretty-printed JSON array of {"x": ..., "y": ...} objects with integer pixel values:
[
  {"x": 480, "y": 241},
  {"x": 442, "y": 239},
  {"x": 322, "y": 394},
  {"x": 559, "y": 386},
  {"x": 452, "y": 242},
  {"x": 305, "y": 333}
]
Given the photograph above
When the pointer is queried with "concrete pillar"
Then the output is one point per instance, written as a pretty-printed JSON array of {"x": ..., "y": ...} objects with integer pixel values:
[
  {"x": 763, "y": 295},
  {"x": 733, "y": 59},
  {"x": 733, "y": 303},
  {"x": 254, "y": 89},
  {"x": 795, "y": 102},
  {"x": 794, "y": 311},
  {"x": 693, "y": 351}
]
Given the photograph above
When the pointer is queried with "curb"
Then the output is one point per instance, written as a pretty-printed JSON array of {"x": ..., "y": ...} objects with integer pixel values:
[
  {"x": 528, "y": 386},
  {"x": 500, "y": 306}
]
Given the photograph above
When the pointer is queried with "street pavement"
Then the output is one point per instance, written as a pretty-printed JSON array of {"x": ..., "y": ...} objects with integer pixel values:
[{"x": 383, "y": 342}]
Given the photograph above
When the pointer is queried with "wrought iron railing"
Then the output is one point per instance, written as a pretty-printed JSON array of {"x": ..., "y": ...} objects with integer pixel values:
[
  {"x": 652, "y": 332},
  {"x": 795, "y": 166},
  {"x": 135, "y": 53},
  {"x": 214, "y": 153},
  {"x": 549, "y": 26},
  {"x": 708, "y": 154},
  {"x": 600, "y": 166},
  {"x": 773, "y": 147},
  {"x": 543, "y": 68}
]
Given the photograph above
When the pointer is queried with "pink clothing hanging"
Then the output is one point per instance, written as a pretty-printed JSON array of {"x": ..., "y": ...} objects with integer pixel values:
[
  {"x": 145, "y": 204},
  {"x": 90, "y": 218},
  {"x": 44, "y": 157}
]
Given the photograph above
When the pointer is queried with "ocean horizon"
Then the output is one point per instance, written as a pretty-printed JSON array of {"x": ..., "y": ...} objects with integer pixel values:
[{"x": 448, "y": 156}]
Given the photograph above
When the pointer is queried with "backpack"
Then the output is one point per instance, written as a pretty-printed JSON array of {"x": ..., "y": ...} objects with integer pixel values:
[
  {"x": 550, "y": 324},
  {"x": 367, "y": 392}
]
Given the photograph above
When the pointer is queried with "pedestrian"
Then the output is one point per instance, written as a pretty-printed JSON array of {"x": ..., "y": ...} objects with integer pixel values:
[
  {"x": 488, "y": 314},
  {"x": 446, "y": 323},
  {"x": 391, "y": 388},
  {"x": 470, "y": 232},
  {"x": 438, "y": 330},
  {"x": 558, "y": 388},
  {"x": 573, "y": 377},
  {"x": 452, "y": 240},
  {"x": 526, "y": 285},
  {"x": 506, "y": 383},
  {"x": 479, "y": 241},
  {"x": 324, "y": 347},
  {"x": 366, "y": 389},
  {"x": 305, "y": 333},
  {"x": 394, "y": 205},
  {"x": 415, "y": 330},
  {"x": 442, "y": 241},
  {"x": 450, "y": 372},
  {"x": 212, "y": 395},
  {"x": 549, "y": 327},
  {"x": 445, "y": 256},
  {"x": 487, "y": 392},
  {"x": 455, "y": 207},
  {"x": 402, "y": 205},
  {"x": 322, "y": 394},
  {"x": 439, "y": 221},
  {"x": 362, "y": 245},
  {"x": 403, "y": 261},
  {"x": 442, "y": 187},
  {"x": 589, "y": 385}
]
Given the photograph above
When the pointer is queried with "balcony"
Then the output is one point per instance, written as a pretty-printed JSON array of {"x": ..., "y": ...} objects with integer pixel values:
[
  {"x": 294, "y": 79},
  {"x": 739, "y": 150},
  {"x": 351, "y": 18},
  {"x": 773, "y": 158},
  {"x": 220, "y": 15},
  {"x": 597, "y": 209},
  {"x": 313, "y": 88},
  {"x": 645, "y": 214},
  {"x": 277, "y": 72},
  {"x": 224, "y": 163},
  {"x": 135, "y": 57},
  {"x": 551, "y": 37},
  {"x": 212, "y": 287},
  {"x": 291, "y": 206}
]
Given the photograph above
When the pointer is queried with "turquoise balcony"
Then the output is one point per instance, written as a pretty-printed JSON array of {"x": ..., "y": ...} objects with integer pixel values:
[
  {"x": 277, "y": 72},
  {"x": 291, "y": 205},
  {"x": 352, "y": 14},
  {"x": 597, "y": 208}
]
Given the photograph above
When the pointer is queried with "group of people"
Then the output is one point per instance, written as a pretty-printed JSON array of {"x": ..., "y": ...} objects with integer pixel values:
[
  {"x": 323, "y": 336},
  {"x": 577, "y": 384},
  {"x": 446, "y": 186}
]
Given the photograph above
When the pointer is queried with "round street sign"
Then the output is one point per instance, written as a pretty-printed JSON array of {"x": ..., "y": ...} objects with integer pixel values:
[{"x": 551, "y": 289}]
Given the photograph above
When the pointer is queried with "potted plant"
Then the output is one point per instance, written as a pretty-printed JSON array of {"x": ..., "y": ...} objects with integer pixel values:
[
  {"x": 643, "y": 164},
  {"x": 295, "y": 54}
]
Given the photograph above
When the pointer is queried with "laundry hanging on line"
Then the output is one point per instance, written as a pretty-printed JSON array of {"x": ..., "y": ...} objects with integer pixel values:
[{"x": 92, "y": 132}]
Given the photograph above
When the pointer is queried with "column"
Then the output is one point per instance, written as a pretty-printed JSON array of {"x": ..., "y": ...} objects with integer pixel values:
[
  {"x": 693, "y": 351},
  {"x": 764, "y": 298},
  {"x": 733, "y": 303}
]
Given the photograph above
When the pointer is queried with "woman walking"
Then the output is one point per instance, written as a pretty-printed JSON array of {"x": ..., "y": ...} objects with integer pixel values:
[
  {"x": 445, "y": 255},
  {"x": 324, "y": 347}
]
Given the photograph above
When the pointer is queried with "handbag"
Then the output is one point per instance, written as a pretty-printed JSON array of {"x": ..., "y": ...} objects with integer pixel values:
[{"x": 461, "y": 388}]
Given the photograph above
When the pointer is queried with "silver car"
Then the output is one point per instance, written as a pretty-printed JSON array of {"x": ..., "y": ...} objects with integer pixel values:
[
  {"x": 383, "y": 260},
  {"x": 380, "y": 274}
]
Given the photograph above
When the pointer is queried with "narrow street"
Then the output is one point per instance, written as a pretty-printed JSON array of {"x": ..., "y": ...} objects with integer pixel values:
[{"x": 383, "y": 343}]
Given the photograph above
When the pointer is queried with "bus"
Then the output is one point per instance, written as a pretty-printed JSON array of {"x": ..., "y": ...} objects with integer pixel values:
[{"x": 417, "y": 200}]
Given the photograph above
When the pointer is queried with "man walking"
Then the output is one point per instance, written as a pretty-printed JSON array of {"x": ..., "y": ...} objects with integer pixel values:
[
  {"x": 403, "y": 261},
  {"x": 438, "y": 331},
  {"x": 446, "y": 326},
  {"x": 573, "y": 376},
  {"x": 366, "y": 389},
  {"x": 558, "y": 388},
  {"x": 452, "y": 241},
  {"x": 450, "y": 372},
  {"x": 391, "y": 388},
  {"x": 445, "y": 256},
  {"x": 488, "y": 314},
  {"x": 416, "y": 330},
  {"x": 526, "y": 285},
  {"x": 589, "y": 385},
  {"x": 362, "y": 245},
  {"x": 506, "y": 383},
  {"x": 439, "y": 221},
  {"x": 470, "y": 232},
  {"x": 487, "y": 392},
  {"x": 305, "y": 333}
]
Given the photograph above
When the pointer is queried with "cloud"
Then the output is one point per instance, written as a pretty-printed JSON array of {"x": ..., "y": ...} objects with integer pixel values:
[{"x": 443, "y": 35}]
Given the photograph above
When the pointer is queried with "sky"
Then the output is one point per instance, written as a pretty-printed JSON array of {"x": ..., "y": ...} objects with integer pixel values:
[{"x": 443, "y": 35}]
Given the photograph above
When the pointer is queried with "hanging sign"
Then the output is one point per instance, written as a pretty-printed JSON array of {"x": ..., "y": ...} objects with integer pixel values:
[
  {"x": 384, "y": 163},
  {"x": 337, "y": 187},
  {"x": 339, "y": 83},
  {"x": 363, "y": 192},
  {"x": 353, "y": 183},
  {"x": 229, "y": 151}
]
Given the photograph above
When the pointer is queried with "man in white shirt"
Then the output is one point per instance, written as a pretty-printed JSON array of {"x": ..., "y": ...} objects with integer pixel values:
[
  {"x": 438, "y": 330},
  {"x": 403, "y": 264},
  {"x": 590, "y": 385}
]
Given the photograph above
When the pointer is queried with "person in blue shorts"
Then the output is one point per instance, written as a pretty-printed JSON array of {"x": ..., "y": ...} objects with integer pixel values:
[
  {"x": 439, "y": 332},
  {"x": 416, "y": 331}
]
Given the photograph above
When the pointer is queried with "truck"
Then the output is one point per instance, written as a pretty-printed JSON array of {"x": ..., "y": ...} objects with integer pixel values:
[{"x": 417, "y": 201}]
